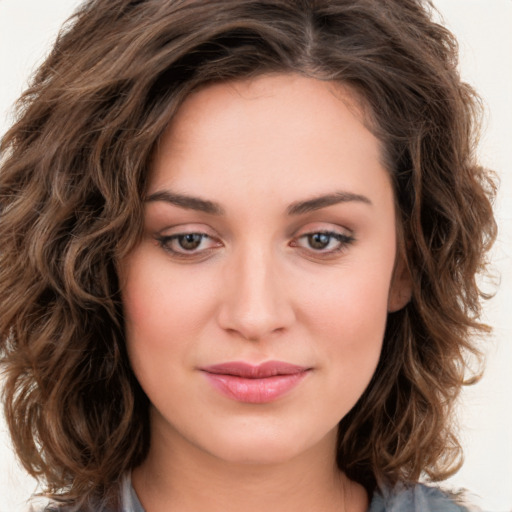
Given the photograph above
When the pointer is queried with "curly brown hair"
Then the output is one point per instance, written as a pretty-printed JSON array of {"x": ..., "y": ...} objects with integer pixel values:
[{"x": 72, "y": 183}]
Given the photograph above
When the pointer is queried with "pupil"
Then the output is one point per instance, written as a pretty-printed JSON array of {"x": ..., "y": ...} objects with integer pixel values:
[
  {"x": 190, "y": 241},
  {"x": 319, "y": 240}
]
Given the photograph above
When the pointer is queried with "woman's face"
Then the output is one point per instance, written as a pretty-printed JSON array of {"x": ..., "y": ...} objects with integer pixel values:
[{"x": 256, "y": 302}]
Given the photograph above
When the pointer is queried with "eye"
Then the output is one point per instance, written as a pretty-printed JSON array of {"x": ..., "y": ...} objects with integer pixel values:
[
  {"x": 190, "y": 241},
  {"x": 323, "y": 242},
  {"x": 187, "y": 244}
]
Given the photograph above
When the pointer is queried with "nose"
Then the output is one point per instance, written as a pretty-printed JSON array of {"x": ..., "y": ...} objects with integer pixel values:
[{"x": 255, "y": 299}]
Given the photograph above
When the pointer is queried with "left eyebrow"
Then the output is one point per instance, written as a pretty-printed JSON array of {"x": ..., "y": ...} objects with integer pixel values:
[
  {"x": 316, "y": 203},
  {"x": 186, "y": 201}
]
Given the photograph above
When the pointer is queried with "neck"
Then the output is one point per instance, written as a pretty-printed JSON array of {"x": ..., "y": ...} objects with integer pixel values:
[{"x": 185, "y": 478}]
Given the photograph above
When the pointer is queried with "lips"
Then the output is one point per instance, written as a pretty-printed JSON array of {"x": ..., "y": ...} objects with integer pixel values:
[{"x": 248, "y": 383}]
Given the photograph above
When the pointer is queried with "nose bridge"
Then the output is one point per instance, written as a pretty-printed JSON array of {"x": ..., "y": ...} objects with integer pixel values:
[{"x": 255, "y": 301}]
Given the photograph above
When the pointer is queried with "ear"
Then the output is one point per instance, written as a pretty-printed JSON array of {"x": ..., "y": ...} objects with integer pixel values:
[{"x": 400, "y": 290}]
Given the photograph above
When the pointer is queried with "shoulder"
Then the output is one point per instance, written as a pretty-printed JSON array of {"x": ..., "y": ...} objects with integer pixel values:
[{"x": 415, "y": 498}]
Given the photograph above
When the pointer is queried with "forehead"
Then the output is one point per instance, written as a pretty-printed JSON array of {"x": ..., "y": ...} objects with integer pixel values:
[
  {"x": 296, "y": 97},
  {"x": 273, "y": 133}
]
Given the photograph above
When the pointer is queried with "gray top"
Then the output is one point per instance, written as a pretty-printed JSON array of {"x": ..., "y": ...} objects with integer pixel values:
[{"x": 419, "y": 498}]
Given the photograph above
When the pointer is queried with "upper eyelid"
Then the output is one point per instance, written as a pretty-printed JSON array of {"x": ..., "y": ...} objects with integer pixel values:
[
  {"x": 296, "y": 234},
  {"x": 184, "y": 229},
  {"x": 329, "y": 228},
  {"x": 337, "y": 230},
  {"x": 342, "y": 238},
  {"x": 331, "y": 232}
]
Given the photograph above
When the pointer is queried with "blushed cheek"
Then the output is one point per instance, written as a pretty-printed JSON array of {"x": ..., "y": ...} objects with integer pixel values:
[
  {"x": 162, "y": 309},
  {"x": 144, "y": 303},
  {"x": 350, "y": 316}
]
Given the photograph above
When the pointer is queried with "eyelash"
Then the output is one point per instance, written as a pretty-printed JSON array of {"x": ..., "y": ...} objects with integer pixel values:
[
  {"x": 166, "y": 241},
  {"x": 343, "y": 241}
]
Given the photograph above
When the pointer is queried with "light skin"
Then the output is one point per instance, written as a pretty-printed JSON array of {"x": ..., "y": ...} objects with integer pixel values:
[{"x": 290, "y": 256}]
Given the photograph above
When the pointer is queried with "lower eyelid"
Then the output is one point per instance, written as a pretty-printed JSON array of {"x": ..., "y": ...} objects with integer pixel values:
[
  {"x": 165, "y": 242},
  {"x": 343, "y": 241}
]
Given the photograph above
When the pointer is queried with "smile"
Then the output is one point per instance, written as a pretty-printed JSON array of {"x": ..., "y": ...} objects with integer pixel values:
[{"x": 255, "y": 384}]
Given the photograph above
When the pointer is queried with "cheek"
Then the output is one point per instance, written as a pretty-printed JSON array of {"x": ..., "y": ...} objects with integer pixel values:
[
  {"x": 349, "y": 323},
  {"x": 158, "y": 324},
  {"x": 157, "y": 303},
  {"x": 352, "y": 301},
  {"x": 348, "y": 314},
  {"x": 151, "y": 316}
]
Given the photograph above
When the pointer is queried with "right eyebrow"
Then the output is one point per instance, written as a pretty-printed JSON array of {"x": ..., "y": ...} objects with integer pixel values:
[
  {"x": 317, "y": 203},
  {"x": 185, "y": 201}
]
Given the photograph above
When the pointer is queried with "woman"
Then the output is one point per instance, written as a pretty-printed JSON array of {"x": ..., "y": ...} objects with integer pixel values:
[{"x": 239, "y": 247}]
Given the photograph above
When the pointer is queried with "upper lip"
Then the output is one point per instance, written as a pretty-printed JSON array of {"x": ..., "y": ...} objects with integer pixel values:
[{"x": 251, "y": 371}]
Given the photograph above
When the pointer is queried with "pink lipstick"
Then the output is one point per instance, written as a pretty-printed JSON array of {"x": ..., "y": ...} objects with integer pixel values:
[{"x": 255, "y": 384}]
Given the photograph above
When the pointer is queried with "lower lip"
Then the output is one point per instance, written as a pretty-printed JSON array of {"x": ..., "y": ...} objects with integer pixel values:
[{"x": 255, "y": 391}]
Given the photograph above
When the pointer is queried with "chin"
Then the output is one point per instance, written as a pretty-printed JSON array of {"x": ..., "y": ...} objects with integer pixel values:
[
  {"x": 268, "y": 448},
  {"x": 261, "y": 454}
]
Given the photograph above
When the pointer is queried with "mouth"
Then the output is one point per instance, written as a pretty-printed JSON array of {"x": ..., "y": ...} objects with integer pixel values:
[{"x": 255, "y": 384}]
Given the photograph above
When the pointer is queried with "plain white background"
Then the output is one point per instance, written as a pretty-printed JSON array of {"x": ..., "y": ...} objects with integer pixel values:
[{"x": 484, "y": 30}]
